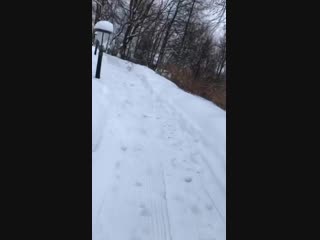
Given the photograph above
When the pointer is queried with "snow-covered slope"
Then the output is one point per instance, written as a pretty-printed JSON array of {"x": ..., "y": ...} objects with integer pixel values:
[{"x": 158, "y": 160}]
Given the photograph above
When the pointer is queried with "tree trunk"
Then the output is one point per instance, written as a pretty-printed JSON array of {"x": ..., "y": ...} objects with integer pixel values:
[
  {"x": 166, "y": 38},
  {"x": 185, "y": 30}
]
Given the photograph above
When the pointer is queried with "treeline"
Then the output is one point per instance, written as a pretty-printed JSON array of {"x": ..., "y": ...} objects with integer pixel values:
[{"x": 176, "y": 38}]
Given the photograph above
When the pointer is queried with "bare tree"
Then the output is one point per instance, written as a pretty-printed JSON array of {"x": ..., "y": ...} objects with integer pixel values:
[{"x": 164, "y": 33}]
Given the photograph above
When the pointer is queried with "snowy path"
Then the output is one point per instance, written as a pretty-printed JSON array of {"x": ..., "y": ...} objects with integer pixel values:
[{"x": 158, "y": 161}]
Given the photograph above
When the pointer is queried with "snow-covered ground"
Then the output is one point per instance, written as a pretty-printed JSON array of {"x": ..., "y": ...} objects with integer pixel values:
[{"x": 158, "y": 160}]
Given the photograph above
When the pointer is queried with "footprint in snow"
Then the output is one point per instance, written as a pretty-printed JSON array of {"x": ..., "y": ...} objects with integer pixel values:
[
  {"x": 124, "y": 148},
  {"x": 138, "y": 184},
  {"x": 195, "y": 210},
  {"x": 144, "y": 211},
  {"x": 173, "y": 162},
  {"x": 209, "y": 207},
  {"x": 188, "y": 179},
  {"x": 117, "y": 165}
]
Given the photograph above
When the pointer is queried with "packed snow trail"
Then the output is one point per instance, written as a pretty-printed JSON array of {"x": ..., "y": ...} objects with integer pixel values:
[{"x": 158, "y": 160}]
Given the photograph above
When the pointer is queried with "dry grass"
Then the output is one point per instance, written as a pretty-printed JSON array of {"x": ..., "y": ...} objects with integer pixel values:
[{"x": 208, "y": 90}]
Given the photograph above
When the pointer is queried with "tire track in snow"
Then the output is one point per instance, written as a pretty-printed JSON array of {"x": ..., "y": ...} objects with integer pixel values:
[
  {"x": 155, "y": 193},
  {"x": 166, "y": 202},
  {"x": 156, "y": 183},
  {"x": 153, "y": 206}
]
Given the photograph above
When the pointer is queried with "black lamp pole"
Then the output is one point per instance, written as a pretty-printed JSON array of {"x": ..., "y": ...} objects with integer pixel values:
[
  {"x": 97, "y": 45},
  {"x": 98, "y": 70}
]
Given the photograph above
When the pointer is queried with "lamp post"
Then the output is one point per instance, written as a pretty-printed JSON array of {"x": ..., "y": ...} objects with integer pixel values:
[
  {"x": 96, "y": 42},
  {"x": 103, "y": 30}
]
